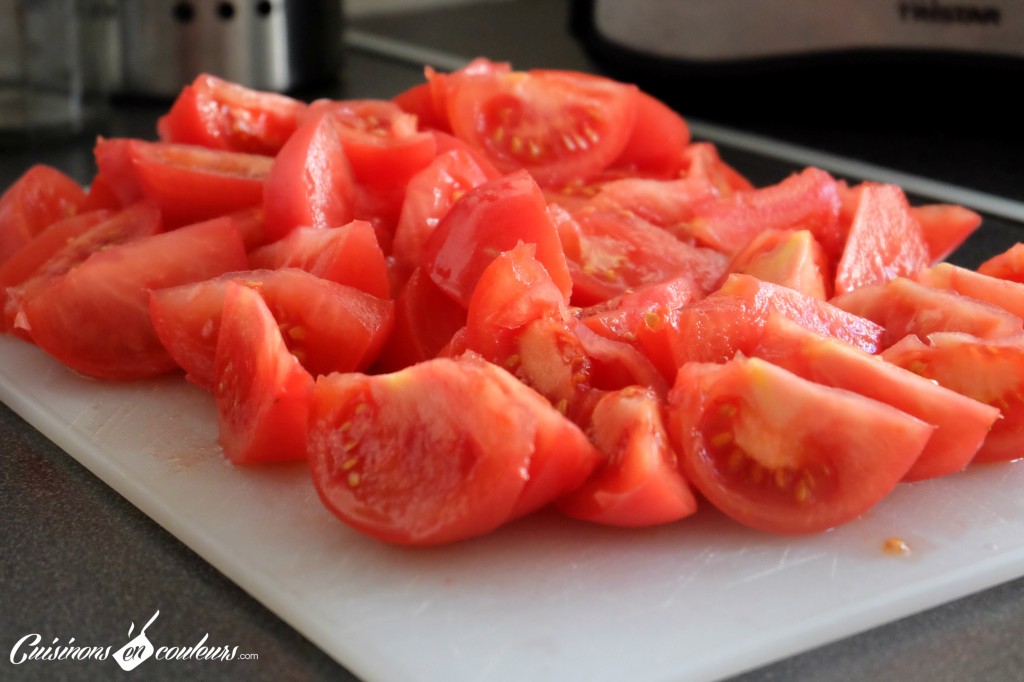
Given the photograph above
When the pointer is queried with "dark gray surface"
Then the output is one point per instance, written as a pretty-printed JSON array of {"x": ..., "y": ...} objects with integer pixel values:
[{"x": 78, "y": 560}]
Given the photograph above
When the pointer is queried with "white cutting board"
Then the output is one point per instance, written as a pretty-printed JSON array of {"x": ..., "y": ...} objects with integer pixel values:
[{"x": 545, "y": 599}]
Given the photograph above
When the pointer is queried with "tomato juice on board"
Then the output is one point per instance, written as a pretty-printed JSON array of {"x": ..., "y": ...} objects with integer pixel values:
[{"x": 505, "y": 290}]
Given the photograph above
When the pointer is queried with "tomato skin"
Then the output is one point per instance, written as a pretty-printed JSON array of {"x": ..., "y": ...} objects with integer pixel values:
[
  {"x": 491, "y": 218},
  {"x": 41, "y": 196},
  {"x": 962, "y": 424},
  {"x": 558, "y": 125},
  {"x": 639, "y": 482},
  {"x": 782, "y": 454},
  {"x": 219, "y": 114},
  {"x": 310, "y": 183},
  {"x": 262, "y": 392},
  {"x": 442, "y": 451},
  {"x": 95, "y": 318},
  {"x": 347, "y": 255}
]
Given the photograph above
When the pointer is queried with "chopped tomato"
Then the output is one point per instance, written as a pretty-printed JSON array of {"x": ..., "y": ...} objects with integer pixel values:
[
  {"x": 657, "y": 141},
  {"x": 441, "y": 451},
  {"x": 1008, "y": 265},
  {"x": 989, "y": 371},
  {"x": 328, "y": 326},
  {"x": 347, "y": 255},
  {"x": 33, "y": 255},
  {"x": 95, "y": 317},
  {"x": 702, "y": 161},
  {"x": 639, "y": 483},
  {"x": 782, "y": 454},
  {"x": 789, "y": 258},
  {"x": 188, "y": 183},
  {"x": 137, "y": 221},
  {"x": 40, "y": 197},
  {"x": 884, "y": 240},
  {"x": 558, "y": 125},
  {"x": 619, "y": 252},
  {"x": 945, "y": 227},
  {"x": 262, "y": 392},
  {"x": 904, "y": 307},
  {"x": 310, "y": 183},
  {"x": 426, "y": 318},
  {"x": 491, "y": 218},
  {"x": 381, "y": 142},
  {"x": 428, "y": 196},
  {"x": 961, "y": 423},
  {"x": 716, "y": 328},
  {"x": 219, "y": 114},
  {"x": 1002, "y": 293},
  {"x": 519, "y": 320},
  {"x": 808, "y": 200}
]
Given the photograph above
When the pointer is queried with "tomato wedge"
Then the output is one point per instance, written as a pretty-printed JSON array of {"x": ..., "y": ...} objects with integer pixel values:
[
  {"x": 215, "y": 113},
  {"x": 95, "y": 318},
  {"x": 785, "y": 455},
  {"x": 558, "y": 125},
  {"x": 310, "y": 183},
  {"x": 491, "y": 218},
  {"x": 41, "y": 196},
  {"x": 639, "y": 483},
  {"x": 961, "y": 423},
  {"x": 262, "y": 392},
  {"x": 441, "y": 451}
]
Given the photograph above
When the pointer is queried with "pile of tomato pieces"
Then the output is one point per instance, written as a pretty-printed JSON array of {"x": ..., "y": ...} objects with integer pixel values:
[{"x": 504, "y": 290}]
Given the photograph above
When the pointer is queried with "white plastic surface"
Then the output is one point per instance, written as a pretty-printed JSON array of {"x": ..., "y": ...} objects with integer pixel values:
[{"x": 544, "y": 599}]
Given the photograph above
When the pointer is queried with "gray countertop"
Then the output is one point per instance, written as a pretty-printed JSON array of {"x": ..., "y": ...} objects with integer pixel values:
[{"x": 77, "y": 559}]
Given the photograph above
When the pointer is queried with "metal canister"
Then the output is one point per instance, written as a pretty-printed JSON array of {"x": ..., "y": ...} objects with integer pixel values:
[{"x": 276, "y": 45}]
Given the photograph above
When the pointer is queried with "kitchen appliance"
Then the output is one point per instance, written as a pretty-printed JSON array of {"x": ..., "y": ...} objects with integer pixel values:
[
  {"x": 277, "y": 45},
  {"x": 918, "y": 58}
]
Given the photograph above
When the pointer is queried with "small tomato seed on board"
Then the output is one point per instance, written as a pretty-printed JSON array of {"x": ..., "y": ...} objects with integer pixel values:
[{"x": 896, "y": 546}]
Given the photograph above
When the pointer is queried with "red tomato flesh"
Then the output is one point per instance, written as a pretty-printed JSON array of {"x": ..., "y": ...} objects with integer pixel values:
[
  {"x": 558, "y": 125},
  {"x": 444, "y": 450},
  {"x": 489, "y": 219},
  {"x": 961, "y": 423},
  {"x": 348, "y": 255},
  {"x": 639, "y": 483},
  {"x": 40, "y": 197},
  {"x": 989, "y": 371},
  {"x": 904, "y": 307},
  {"x": 262, "y": 392},
  {"x": 95, "y": 318},
  {"x": 782, "y": 454},
  {"x": 328, "y": 326},
  {"x": 219, "y": 114}
]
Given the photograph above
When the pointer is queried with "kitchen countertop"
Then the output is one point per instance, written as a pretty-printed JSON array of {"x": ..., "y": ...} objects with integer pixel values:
[{"x": 79, "y": 560}]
